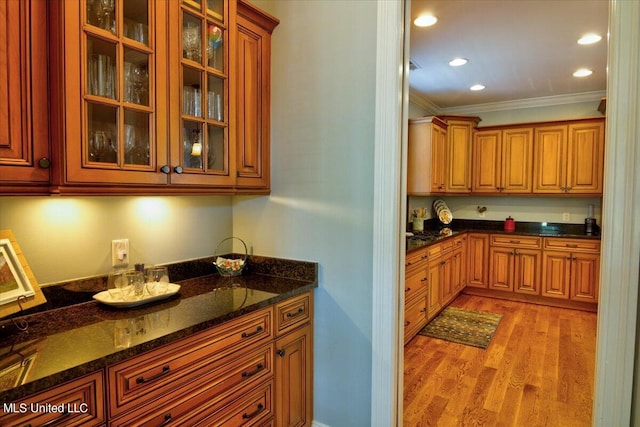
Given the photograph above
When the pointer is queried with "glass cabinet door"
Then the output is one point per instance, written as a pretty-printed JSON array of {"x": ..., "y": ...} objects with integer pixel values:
[
  {"x": 203, "y": 149},
  {"x": 120, "y": 106}
]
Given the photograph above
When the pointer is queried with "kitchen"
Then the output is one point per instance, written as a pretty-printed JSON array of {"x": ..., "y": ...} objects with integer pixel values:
[{"x": 320, "y": 208}]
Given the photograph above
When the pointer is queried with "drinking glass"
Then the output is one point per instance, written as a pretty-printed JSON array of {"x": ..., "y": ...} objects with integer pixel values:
[
  {"x": 115, "y": 282},
  {"x": 132, "y": 287},
  {"x": 157, "y": 280}
]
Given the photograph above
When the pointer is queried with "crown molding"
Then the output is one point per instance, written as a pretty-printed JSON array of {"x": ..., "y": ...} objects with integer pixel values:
[{"x": 545, "y": 101}]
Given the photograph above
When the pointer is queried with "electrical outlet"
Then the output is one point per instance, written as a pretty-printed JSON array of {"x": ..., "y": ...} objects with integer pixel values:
[
  {"x": 120, "y": 253},
  {"x": 566, "y": 216}
]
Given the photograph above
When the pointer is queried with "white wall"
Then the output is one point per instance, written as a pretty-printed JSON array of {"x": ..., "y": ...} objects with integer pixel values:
[
  {"x": 66, "y": 238},
  {"x": 320, "y": 208}
]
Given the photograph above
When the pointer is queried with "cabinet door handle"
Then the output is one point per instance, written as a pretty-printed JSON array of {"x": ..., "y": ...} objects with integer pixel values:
[
  {"x": 165, "y": 169},
  {"x": 259, "y": 409},
  {"x": 280, "y": 352},
  {"x": 44, "y": 163},
  {"x": 259, "y": 367},
  {"x": 568, "y": 257},
  {"x": 423, "y": 310},
  {"x": 167, "y": 420},
  {"x": 165, "y": 370},
  {"x": 424, "y": 280},
  {"x": 250, "y": 334},
  {"x": 178, "y": 169},
  {"x": 298, "y": 313},
  {"x": 406, "y": 323},
  {"x": 407, "y": 289}
]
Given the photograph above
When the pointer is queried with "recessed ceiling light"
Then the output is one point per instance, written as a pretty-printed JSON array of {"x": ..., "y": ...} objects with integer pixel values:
[
  {"x": 582, "y": 72},
  {"x": 589, "y": 38},
  {"x": 456, "y": 62},
  {"x": 425, "y": 20},
  {"x": 477, "y": 87}
]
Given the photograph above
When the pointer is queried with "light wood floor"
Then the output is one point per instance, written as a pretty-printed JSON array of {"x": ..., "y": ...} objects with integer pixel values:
[{"x": 537, "y": 371}]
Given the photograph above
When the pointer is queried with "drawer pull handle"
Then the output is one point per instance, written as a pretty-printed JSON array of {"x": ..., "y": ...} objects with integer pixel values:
[
  {"x": 165, "y": 370},
  {"x": 260, "y": 408},
  {"x": 571, "y": 245},
  {"x": 280, "y": 352},
  {"x": 259, "y": 367},
  {"x": 167, "y": 420},
  {"x": 297, "y": 313},
  {"x": 514, "y": 241},
  {"x": 250, "y": 334}
]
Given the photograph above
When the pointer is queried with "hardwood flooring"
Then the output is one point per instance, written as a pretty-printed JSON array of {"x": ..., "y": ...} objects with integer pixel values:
[{"x": 537, "y": 371}]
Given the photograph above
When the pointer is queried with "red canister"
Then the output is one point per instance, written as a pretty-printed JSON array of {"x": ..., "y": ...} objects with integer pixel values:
[{"x": 509, "y": 224}]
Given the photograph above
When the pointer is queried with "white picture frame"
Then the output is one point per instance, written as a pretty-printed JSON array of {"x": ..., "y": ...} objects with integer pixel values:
[{"x": 14, "y": 282}]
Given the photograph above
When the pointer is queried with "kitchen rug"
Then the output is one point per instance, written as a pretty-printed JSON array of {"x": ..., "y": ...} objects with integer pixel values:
[{"x": 469, "y": 327}]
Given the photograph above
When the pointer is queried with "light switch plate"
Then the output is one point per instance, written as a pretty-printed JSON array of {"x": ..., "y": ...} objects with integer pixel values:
[{"x": 120, "y": 253}]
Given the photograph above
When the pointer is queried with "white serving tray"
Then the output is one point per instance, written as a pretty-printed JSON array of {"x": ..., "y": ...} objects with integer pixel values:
[{"x": 105, "y": 298}]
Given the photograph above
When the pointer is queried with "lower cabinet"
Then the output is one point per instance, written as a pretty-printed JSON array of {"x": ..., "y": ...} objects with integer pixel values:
[
  {"x": 571, "y": 269},
  {"x": 294, "y": 362},
  {"x": 555, "y": 271},
  {"x": 81, "y": 402},
  {"x": 434, "y": 276},
  {"x": 255, "y": 370},
  {"x": 478, "y": 259}
]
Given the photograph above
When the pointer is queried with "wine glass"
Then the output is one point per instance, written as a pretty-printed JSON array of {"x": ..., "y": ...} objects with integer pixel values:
[
  {"x": 139, "y": 79},
  {"x": 107, "y": 7},
  {"x": 191, "y": 42}
]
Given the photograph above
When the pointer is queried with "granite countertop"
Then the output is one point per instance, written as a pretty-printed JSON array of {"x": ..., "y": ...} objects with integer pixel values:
[
  {"x": 435, "y": 232},
  {"x": 64, "y": 343}
]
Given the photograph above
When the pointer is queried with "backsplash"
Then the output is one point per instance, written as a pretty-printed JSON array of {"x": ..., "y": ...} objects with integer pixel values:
[{"x": 530, "y": 209}]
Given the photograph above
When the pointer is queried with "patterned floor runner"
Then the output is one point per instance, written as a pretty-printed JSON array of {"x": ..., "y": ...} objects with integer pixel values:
[{"x": 475, "y": 328}]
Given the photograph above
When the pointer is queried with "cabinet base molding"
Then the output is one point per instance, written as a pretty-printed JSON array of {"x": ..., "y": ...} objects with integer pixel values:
[{"x": 532, "y": 299}]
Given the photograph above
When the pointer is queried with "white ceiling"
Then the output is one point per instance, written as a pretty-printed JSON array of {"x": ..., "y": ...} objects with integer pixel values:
[{"x": 518, "y": 49}]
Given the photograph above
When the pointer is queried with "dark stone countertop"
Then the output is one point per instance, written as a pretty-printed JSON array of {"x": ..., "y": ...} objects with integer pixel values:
[
  {"x": 64, "y": 343},
  {"x": 435, "y": 232}
]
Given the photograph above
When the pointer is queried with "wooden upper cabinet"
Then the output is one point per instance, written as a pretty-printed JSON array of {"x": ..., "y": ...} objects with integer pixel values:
[
  {"x": 517, "y": 158},
  {"x": 160, "y": 96},
  {"x": 254, "y": 96},
  {"x": 426, "y": 157},
  {"x": 569, "y": 158},
  {"x": 502, "y": 160},
  {"x": 459, "y": 152},
  {"x": 550, "y": 159},
  {"x": 487, "y": 158},
  {"x": 585, "y": 169},
  {"x": 202, "y": 102},
  {"x": 24, "y": 134},
  {"x": 109, "y": 92}
]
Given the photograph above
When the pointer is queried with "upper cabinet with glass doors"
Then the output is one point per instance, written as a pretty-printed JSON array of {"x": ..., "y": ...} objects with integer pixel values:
[
  {"x": 113, "y": 59},
  {"x": 152, "y": 96},
  {"x": 200, "y": 66}
]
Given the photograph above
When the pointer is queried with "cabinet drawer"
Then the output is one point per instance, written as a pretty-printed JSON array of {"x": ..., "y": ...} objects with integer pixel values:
[
  {"x": 516, "y": 240},
  {"x": 81, "y": 400},
  {"x": 572, "y": 245},
  {"x": 415, "y": 316},
  {"x": 434, "y": 251},
  {"x": 414, "y": 258},
  {"x": 251, "y": 409},
  {"x": 415, "y": 283},
  {"x": 142, "y": 378},
  {"x": 293, "y": 312},
  {"x": 209, "y": 386}
]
